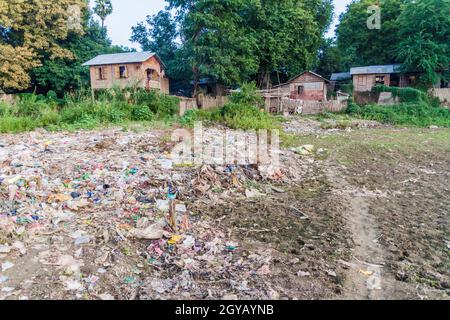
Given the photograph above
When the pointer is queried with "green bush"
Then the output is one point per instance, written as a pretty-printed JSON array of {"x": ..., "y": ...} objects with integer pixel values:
[
  {"x": 17, "y": 124},
  {"x": 247, "y": 95},
  {"x": 408, "y": 95},
  {"x": 142, "y": 113},
  {"x": 49, "y": 117},
  {"x": 77, "y": 110},
  {"x": 417, "y": 114},
  {"x": 246, "y": 117},
  {"x": 353, "y": 108}
]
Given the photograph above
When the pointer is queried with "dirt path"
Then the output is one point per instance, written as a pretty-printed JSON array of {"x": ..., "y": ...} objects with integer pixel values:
[{"x": 367, "y": 277}]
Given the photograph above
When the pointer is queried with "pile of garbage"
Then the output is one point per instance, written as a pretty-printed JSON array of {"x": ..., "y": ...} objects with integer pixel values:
[{"x": 107, "y": 215}]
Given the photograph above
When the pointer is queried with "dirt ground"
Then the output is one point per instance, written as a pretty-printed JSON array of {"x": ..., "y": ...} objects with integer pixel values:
[{"x": 364, "y": 215}]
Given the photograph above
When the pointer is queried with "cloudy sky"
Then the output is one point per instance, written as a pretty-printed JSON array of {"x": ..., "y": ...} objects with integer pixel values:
[{"x": 128, "y": 12}]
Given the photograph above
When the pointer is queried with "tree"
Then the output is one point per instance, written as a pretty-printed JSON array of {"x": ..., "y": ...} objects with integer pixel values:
[
  {"x": 103, "y": 8},
  {"x": 360, "y": 45},
  {"x": 29, "y": 28},
  {"x": 424, "y": 27},
  {"x": 62, "y": 74},
  {"x": 216, "y": 41},
  {"x": 288, "y": 34},
  {"x": 329, "y": 60},
  {"x": 159, "y": 34},
  {"x": 241, "y": 40}
]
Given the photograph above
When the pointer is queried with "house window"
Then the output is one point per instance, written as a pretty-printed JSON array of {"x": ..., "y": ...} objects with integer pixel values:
[
  {"x": 100, "y": 73},
  {"x": 361, "y": 80},
  {"x": 150, "y": 74},
  {"x": 123, "y": 72},
  {"x": 300, "y": 90},
  {"x": 379, "y": 80}
]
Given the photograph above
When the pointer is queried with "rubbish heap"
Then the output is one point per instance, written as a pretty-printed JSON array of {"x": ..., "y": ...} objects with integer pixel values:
[{"x": 107, "y": 215}]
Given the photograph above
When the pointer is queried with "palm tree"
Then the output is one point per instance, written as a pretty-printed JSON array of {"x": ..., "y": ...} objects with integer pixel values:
[{"x": 103, "y": 8}]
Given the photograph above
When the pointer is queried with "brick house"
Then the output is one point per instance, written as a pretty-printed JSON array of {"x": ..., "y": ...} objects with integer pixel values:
[
  {"x": 142, "y": 69},
  {"x": 306, "y": 86}
]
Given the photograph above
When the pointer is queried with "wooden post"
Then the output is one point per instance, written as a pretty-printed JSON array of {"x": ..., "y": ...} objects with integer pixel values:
[{"x": 92, "y": 94}]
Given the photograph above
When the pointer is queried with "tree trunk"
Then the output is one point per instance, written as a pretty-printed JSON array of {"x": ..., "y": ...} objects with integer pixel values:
[{"x": 264, "y": 80}]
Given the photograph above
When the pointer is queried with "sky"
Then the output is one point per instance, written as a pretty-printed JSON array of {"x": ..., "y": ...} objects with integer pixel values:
[{"x": 127, "y": 13}]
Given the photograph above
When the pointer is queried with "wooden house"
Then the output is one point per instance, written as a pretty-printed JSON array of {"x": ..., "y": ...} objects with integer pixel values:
[
  {"x": 306, "y": 86},
  {"x": 365, "y": 78},
  {"x": 141, "y": 69}
]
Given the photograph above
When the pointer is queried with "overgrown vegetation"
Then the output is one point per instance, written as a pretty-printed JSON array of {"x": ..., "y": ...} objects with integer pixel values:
[
  {"x": 243, "y": 111},
  {"x": 79, "y": 111},
  {"x": 415, "y": 108},
  {"x": 408, "y": 95}
]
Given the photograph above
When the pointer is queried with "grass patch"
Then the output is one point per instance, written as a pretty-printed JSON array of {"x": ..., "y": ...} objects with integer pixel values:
[
  {"x": 416, "y": 108},
  {"x": 417, "y": 114},
  {"x": 78, "y": 110}
]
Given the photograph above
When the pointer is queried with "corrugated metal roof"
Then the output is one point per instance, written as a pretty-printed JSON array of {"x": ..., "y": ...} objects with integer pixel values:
[
  {"x": 340, "y": 76},
  {"x": 290, "y": 80},
  {"x": 389, "y": 68},
  {"x": 118, "y": 58}
]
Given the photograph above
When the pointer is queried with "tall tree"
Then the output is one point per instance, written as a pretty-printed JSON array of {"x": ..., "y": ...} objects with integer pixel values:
[
  {"x": 289, "y": 34},
  {"x": 62, "y": 74},
  {"x": 360, "y": 45},
  {"x": 241, "y": 40},
  {"x": 217, "y": 41},
  {"x": 159, "y": 34},
  {"x": 424, "y": 27},
  {"x": 329, "y": 60},
  {"x": 103, "y": 8},
  {"x": 29, "y": 28}
]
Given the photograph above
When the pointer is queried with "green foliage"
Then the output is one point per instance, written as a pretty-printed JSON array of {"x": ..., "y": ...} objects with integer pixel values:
[
  {"x": 191, "y": 116},
  {"x": 233, "y": 115},
  {"x": 247, "y": 95},
  {"x": 246, "y": 117},
  {"x": 347, "y": 87},
  {"x": 142, "y": 113},
  {"x": 424, "y": 29},
  {"x": 360, "y": 45},
  {"x": 242, "y": 112},
  {"x": 414, "y": 33},
  {"x": 412, "y": 113},
  {"x": 102, "y": 9},
  {"x": 16, "y": 124},
  {"x": 159, "y": 34},
  {"x": 63, "y": 75},
  {"x": 77, "y": 110},
  {"x": 329, "y": 60},
  {"x": 353, "y": 108},
  {"x": 242, "y": 40},
  {"x": 408, "y": 94}
]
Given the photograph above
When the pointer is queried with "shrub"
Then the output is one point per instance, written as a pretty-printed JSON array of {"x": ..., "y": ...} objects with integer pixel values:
[
  {"x": 49, "y": 117},
  {"x": 141, "y": 113},
  {"x": 16, "y": 124},
  {"x": 245, "y": 117},
  {"x": 408, "y": 94},
  {"x": 353, "y": 108},
  {"x": 247, "y": 96},
  {"x": 417, "y": 114}
]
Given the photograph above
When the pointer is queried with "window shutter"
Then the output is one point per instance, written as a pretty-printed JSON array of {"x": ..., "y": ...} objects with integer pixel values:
[
  {"x": 126, "y": 72},
  {"x": 117, "y": 72},
  {"x": 105, "y": 73},
  {"x": 97, "y": 74}
]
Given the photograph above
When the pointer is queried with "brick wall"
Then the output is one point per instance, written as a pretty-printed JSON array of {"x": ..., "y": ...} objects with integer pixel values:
[{"x": 136, "y": 75}]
